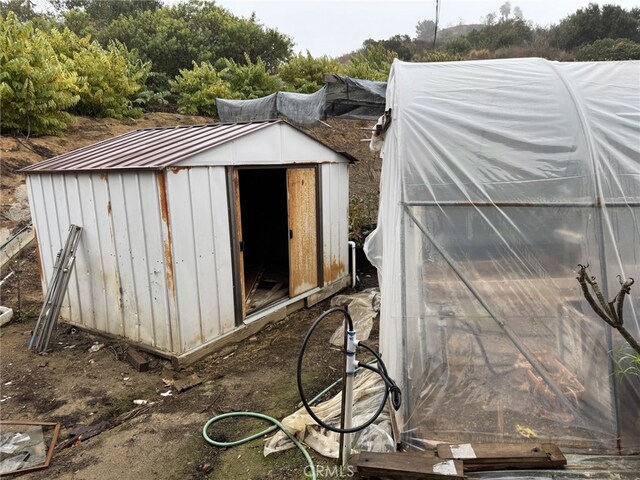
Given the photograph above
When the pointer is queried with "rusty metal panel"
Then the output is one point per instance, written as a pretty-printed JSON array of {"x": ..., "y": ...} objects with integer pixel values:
[
  {"x": 152, "y": 148},
  {"x": 197, "y": 205},
  {"x": 137, "y": 239},
  {"x": 118, "y": 283},
  {"x": 303, "y": 266},
  {"x": 335, "y": 205}
]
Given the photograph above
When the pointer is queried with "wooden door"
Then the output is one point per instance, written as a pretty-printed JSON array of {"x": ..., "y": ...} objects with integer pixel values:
[
  {"x": 303, "y": 244},
  {"x": 240, "y": 246}
]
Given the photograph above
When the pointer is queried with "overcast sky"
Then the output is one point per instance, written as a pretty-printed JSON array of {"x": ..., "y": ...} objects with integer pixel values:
[{"x": 332, "y": 27}]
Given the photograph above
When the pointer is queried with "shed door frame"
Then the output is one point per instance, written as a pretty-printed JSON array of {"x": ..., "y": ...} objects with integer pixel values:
[{"x": 235, "y": 221}]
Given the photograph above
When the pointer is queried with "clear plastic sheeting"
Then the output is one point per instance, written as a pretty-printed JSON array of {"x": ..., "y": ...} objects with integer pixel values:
[
  {"x": 368, "y": 390},
  {"x": 300, "y": 108},
  {"x": 363, "y": 307},
  {"x": 498, "y": 178}
]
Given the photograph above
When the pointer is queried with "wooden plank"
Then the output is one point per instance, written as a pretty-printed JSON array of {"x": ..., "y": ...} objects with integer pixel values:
[
  {"x": 303, "y": 261},
  {"x": 238, "y": 212},
  {"x": 502, "y": 456},
  {"x": 137, "y": 361},
  {"x": 408, "y": 464}
]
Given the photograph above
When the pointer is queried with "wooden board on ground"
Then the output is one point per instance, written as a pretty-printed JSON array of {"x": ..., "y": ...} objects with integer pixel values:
[
  {"x": 478, "y": 457},
  {"x": 407, "y": 465}
]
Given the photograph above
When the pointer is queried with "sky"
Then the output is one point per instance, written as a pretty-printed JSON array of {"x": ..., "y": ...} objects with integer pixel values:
[{"x": 331, "y": 27}]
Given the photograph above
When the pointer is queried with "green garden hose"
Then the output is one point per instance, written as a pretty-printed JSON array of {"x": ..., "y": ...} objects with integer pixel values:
[{"x": 276, "y": 425}]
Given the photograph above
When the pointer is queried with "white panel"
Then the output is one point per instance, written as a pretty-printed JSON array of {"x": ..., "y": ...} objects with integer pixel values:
[
  {"x": 184, "y": 258},
  {"x": 335, "y": 228},
  {"x": 120, "y": 212},
  {"x": 326, "y": 220},
  {"x": 206, "y": 281},
  {"x": 158, "y": 322},
  {"x": 202, "y": 254},
  {"x": 222, "y": 248},
  {"x": 79, "y": 282},
  {"x": 343, "y": 245},
  {"x": 71, "y": 298},
  {"x": 276, "y": 145},
  {"x": 39, "y": 214},
  {"x": 136, "y": 204},
  {"x": 94, "y": 189},
  {"x": 300, "y": 148}
]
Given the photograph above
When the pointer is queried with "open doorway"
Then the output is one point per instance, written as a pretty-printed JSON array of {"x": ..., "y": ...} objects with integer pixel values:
[{"x": 265, "y": 236}]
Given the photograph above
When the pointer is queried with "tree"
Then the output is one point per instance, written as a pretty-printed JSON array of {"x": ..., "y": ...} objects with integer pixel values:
[
  {"x": 505, "y": 33},
  {"x": 103, "y": 12},
  {"x": 401, "y": 45},
  {"x": 196, "y": 31},
  {"x": 593, "y": 23},
  {"x": 35, "y": 88},
  {"x": 517, "y": 13},
  {"x": 505, "y": 10},
  {"x": 425, "y": 30}
]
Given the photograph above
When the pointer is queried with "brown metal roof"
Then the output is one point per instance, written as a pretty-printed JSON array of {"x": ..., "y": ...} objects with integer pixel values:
[{"x": 147, "y": 149}]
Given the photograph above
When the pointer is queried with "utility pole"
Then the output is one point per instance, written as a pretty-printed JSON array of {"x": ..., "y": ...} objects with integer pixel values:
[{"x": 435, "y": 32}]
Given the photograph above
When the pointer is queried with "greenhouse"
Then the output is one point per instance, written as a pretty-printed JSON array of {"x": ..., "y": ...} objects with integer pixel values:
[{"x": 499, "y": 178}]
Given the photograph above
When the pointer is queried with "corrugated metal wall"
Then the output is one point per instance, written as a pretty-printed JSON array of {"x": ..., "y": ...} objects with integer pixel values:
[
  {"x": 119, "y": 283},
  {"x": 203, "y": 273},
  {"x": 335, "y": 213}
]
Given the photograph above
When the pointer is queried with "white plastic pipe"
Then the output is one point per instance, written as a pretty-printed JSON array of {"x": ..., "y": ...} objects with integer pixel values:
[{"x": 353, "y": 263}]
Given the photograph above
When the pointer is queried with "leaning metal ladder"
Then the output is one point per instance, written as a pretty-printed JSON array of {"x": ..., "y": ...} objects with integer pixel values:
[{"x": 57, "y": 287}]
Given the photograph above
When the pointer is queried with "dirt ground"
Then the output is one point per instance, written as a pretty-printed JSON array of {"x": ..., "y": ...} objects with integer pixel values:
[{"x": 77, "y": 387}]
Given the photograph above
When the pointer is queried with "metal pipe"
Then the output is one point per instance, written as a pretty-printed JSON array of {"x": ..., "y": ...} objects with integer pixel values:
[
  {"x": 353, "y": 263},
  {"x": 468, "y": 203}
]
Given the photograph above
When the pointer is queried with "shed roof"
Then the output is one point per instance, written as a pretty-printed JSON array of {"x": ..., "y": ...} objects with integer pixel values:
[{"x": 151, "y": 148}]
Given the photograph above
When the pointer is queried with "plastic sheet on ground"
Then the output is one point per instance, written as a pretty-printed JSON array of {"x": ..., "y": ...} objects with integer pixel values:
[
  {"x": 368, "y": 390},
  {"x": 363, "y": 308},
  {"x": 498, "y": 178},
  {"x": 21, "y": 449}
]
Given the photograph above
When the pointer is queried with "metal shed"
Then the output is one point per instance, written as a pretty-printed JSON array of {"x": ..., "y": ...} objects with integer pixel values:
[{"x": 194, "y": 236}]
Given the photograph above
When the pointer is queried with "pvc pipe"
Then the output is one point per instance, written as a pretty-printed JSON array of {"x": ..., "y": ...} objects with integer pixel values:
[{"x": 353, "y": 263}]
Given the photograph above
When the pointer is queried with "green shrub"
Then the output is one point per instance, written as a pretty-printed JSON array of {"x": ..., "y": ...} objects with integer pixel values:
[
  {"x": 250, "y": 80},
  {"x": 610, "y": 49},
  {"x": 372, "y": 63},
  {"x": 440, "y": 56},
  {"x": 35, "y": 88},
  {"x": 197, "y": 89},
  {"x": 109, "y": 80},
  {"x": 305, "y": 74}
]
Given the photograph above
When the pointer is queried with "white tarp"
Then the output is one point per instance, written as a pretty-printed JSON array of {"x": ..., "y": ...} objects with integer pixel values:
[{"x": 498, "y": 178}]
